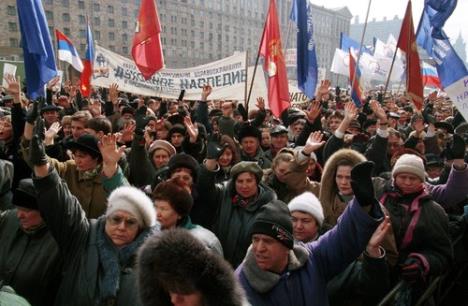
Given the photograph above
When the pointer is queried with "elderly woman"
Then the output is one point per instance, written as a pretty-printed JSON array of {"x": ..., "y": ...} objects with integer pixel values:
[
  {"x": 173, "y": 203},
  {"x": 99, "y": 254}
]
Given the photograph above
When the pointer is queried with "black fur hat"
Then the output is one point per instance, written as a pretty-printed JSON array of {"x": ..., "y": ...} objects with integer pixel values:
[{"x": 175, "y": 261}]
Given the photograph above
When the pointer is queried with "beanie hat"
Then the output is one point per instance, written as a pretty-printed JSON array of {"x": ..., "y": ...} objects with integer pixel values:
[
  {"x": 183, "y": 160},
  {"x": 164, "y": 145},
  {"x": 307, "y": 202},
  {"x": 176, "y": 195},
  {"x": 409, "y": 163},
  {"x": 134, "y": 201},
  {"x": 248, "y": 130},
  {"x": 247, "y": 166},
  {"x": 177, "y": 128},
  {"x": 274, "y": 220},
  {"x": 128, "y": 110},
  {"x": 25, "y": 194}
]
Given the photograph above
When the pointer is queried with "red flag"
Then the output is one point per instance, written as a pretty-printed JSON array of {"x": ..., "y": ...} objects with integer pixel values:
[
  {"x": 407, "y": 43},
  {"x": 146, "y": 47},
  {"x": 88, "y": 63},
  {"x": 274, "y": 65}
]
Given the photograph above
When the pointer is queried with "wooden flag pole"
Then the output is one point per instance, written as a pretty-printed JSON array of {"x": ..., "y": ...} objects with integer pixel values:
[{"x": 246, "y": 75}]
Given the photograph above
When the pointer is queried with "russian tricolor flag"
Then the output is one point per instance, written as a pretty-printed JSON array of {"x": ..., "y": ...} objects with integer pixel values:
[
  {"x": 88, "y": 63},
  {"x": 67, "y": 52},
  {"x": 355, "y": 81},
  {"x": 429, "y": 76}
]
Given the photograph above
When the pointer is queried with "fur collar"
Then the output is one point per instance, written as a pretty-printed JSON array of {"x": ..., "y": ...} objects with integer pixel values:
[{"x": 263, "y": 281}]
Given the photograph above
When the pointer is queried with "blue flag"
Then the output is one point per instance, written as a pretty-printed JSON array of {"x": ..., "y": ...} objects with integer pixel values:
[
  {"x": 347, "y": 43},
  {"x": 442, "y": 11},
  {"x": 38, "y": 53},
  {"x": 450, "y": 67},
  {"x": 301, "y": 14}
]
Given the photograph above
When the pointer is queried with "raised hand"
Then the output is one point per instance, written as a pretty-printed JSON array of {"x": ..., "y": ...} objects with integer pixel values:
[
  {"x": 206, "y": 91},
  {"x": 323, "y": 89},
  {"x": 33, "y": 113},
  {"x": 350, "y": 111},
  {"x": 52, "y": 84},
  {"x": 214, "y": 150},
  {"x": 192, "y": 129},
  {"x": 373, "y": 246},
  {"x": 361, "y": 183},
  {"x": 111, "y": 154},
  {"x": 378, "y": 110},
  {"x": 37, "y": 155},
  {"x": 314, "y": 142},
  {"x": 126, "y": 135},
  {"x": 260, "y": 103},
  {"x": 114, "y": 93},
  {"x": 314, "y": 111},
  {"x": 52, "y": 132},
  {"x": 13, "y": 87}
]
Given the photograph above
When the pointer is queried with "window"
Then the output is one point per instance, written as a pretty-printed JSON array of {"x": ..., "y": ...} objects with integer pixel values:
[
  {"x": 14, "y": 43},
  {"x": 49, "y": 1},
  {"x": 124, "y": 37},
  {"x": 12, "y": 27},
  {"x": 82, "y": 19},
  {"x": 110, "y": 9},
  {"x": 97, "y": 7},
  {"x": 97, "y": 21},
  {"x": 11, "y": 10},
  {"x": 125, "y": 50},
  {"x": 111, "y": 23},
  {"x": 124, "y": 11},
  {"x": 82, "y": 33},
  {"x": 124, "y": 24},
  {"x": 81, "y": 5},
  {"x": 97, "y": 35},
  {"x": 49, "y": 15},
  {"x": 111, "y": 36},
  {"x": 82, "y": 47},
  {"x": 66, "y": 3},
  {"x": 66, "y": 31},
  {"x": 66, "y": 17}
]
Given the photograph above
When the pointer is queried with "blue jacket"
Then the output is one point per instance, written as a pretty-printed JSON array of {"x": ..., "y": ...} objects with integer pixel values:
[{"x": 311, "y": 265}]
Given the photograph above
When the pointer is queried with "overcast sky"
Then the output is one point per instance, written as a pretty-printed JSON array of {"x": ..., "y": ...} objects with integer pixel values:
[{"x": 457, "y": 23}]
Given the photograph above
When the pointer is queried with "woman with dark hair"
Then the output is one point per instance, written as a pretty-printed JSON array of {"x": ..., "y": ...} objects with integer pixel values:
[
  {"x": 229, "y": 157},
  {"x": 173, "y": 203}
]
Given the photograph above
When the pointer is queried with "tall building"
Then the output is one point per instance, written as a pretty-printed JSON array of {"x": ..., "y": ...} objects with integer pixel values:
[
  {"x": 380, "y": 29},
  {"x": 193, "y": 31}
]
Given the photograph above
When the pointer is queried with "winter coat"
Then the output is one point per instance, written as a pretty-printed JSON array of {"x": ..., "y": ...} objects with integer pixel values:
[
  {"x": 29, "y": 262},
  {"x": 259, "y": 157},
  {"x": 232, "y": 221},
  {"x": 80, "y": 243},
  {"x": 311, "y": 265},
  {"x": 6, "y": 181},
  {"x": 209, "y": 240}
]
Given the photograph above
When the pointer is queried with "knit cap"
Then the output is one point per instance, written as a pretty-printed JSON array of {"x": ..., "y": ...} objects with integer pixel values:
[
  {"x": 307, "y": 202},
  {"x": 409, "y": 163}
]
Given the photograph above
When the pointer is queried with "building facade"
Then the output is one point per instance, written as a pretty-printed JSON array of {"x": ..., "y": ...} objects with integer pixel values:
[
  {"x": 193, "y": 31},
  {"x": 380, "y": 29}
]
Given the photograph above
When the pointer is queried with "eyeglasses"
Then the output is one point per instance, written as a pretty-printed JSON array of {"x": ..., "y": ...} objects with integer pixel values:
[{"x": 115, "y": 220}]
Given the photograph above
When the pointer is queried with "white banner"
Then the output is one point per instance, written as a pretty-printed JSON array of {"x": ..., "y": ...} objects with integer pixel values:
[
  {"x": 227, "y": 77},
  {"x": 8, "y": 69},
  {"x": 458, "y": 93}
]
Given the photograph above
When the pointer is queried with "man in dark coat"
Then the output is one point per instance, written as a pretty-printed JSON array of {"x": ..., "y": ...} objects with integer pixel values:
[{"x": 30, "y": 261}]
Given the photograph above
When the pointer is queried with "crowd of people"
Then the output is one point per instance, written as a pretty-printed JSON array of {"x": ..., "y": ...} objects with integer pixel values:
[{"x": 118, "y": 199}]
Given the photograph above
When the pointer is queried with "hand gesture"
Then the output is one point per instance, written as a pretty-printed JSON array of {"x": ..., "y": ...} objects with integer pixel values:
[
  {"x": 126, "y": 134},
  {"x": 52, "y": 84},
  {"x": 37, "y": 155},
  {"x": 13, "y": 87},
  {"x": 214, "y": 150},
  {"x": 323, "y": 88},
  {"x": 52, "y": 132},
  {"x": 260, "y": 103},
  {"x": 314, "y": 142},
  {"x": 314, "y": 111},
  {"x": 114, "y": 93},
  {"x": 206, "y": 91},
  {"x": 111, "y": 154},
  {"x": 192, "y": 129},
  {"x": 376, "y": 240},
  {"x": 361, "y": 183},
  {"x": 350, "y": 111},
  {"x": 33, "y": 113},
  {"x": 378, "y": 110}
]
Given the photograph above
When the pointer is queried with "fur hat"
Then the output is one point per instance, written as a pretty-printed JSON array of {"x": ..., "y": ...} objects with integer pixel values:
[
  {"x": 162, "y": 144},
  {"x": 134, "y": 201},
  {"x": 177, "y": 128},
  {"x": 25, "y": 194},
  {"x": 409, "y": 163},
  {"x": 308, "y": 203},
  {"x": 274, "y": 220},
  {"x": 248, "y": 130},
  {"x": 247, "y": 166},
  {"x": 183, "y": 160},
  {"x": 178, "y": 197},
  {"x": 175, "y": 261}
]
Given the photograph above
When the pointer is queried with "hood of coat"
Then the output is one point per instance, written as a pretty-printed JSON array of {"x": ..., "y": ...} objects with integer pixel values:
[
  {"x": 6, "y": 177},
  {"x": 328, "y": 188},
  {"x": 176, "y": 259},
  {"x": 263, "y": 281}
]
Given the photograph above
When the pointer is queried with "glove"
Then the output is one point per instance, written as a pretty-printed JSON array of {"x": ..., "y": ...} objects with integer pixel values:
[
  {"x": 37, "y": 155},
  {"x": 32, "y": 115},
  {"x": 361, "y": 183},
  {"x": 412, "y": 270},
  {"x": 213, "y": 151},
  {"x": 456, "y": 149},
  {"x": 140, "y": 120}
]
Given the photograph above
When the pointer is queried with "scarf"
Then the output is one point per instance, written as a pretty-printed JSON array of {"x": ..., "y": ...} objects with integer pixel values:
[
  {"x": 90, "y": 174},
  {"x": 186, "y": 223},
  {"x": 237, "y": 200},
  {"x": 113, "y": 260}
]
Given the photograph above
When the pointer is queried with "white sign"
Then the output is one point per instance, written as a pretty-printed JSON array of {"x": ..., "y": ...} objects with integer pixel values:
[
  {"x": 458, "y": 93},
  {"x": 226, "y": 76},
  {"x": 8, "y": 69}
]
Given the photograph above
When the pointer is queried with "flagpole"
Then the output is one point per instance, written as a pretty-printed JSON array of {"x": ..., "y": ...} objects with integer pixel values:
[
  {"x": 360, "y": 47},
  {"x": 246, "y": 75},
  {"x": 246, "y": 104}
]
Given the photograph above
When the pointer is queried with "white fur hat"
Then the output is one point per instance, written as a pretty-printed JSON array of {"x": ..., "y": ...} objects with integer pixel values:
[
  {"x": 134, "y": 201},
  {"x": 307, "y": 202},
  {"x": 410, "y": 163}
]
